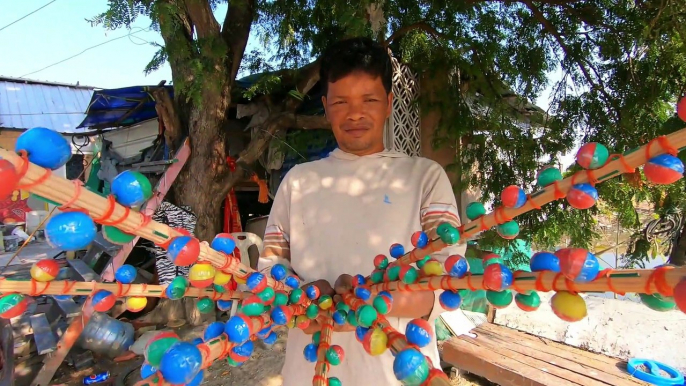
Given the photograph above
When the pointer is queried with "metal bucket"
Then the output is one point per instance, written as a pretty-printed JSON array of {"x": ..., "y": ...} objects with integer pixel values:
[{"x": 106, "y": 336}]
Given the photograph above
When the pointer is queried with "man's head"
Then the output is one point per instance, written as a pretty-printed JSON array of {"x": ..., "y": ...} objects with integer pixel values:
[{"x": 356, "y": 78}]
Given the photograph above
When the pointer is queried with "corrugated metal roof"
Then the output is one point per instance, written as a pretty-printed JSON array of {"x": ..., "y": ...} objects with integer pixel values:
[{"x": 26, "y": 104}]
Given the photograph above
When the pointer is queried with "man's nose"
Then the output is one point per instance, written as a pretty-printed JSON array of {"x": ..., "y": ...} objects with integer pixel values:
[{"x": 355, "y": 111}]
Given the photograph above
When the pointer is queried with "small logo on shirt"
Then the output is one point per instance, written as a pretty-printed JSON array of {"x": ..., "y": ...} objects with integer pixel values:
[{"x": 386, "y": 199}]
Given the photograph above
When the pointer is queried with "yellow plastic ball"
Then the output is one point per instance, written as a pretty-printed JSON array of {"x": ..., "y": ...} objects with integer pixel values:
[
  {"x": 221, "y": 278},
  {"x": 433, "y": 268},
  {"x": 201, "y": 275},
  {"x": 325, "y": 302},
  {"x": 302, "y": 321},
  {"x": 239, "y": 280},
  {"x": 136, "y": 303},
  {"x": 45, "y": 270},
  {"x": 376, "y": 342},
  {"x": 291, "y": 323},
  {"x": 568, "y": 306}
]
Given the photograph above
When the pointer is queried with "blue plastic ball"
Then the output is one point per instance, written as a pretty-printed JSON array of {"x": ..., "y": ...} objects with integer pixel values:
[
  {"x": 181, "y": 363},
  {"x": 419, "y": 332},
  {"x": 270, "y": 339},
  {"x": 410, "y": 367},
  {"x": 386, "y": 294},
  {"x": 238, "y": 329},
  {"x": 70, "y": 231},
  {"x": 147, "y": 370},
  {"x": 363, "y": 293},
  {"x": 396, "y": 251},
  {"x": 279, "y": 316},
  {"x": 292, "y": 282},
  {"x": 126, "y": 274},
  {"x": 45, "y": 147},
  {"x": 544, "y": 261},
  {"x": 263, "y": 333},
  {"x": 360, "y": 332},
  {"x": 245, "y": 350},
  {"x": 359, "y": 280},
  {"x": 339, "y": 317},
  {"x": 131, "y": 188},
  {"x": 450, "y": 300},
  {"x": 310, "y": 352},
  {"x": 197, "y": 380},
  {"x": 224, "y": 305},
  {"x": 278, "y": 272},
  {"x": 224, "y": 242},
  {"x": 197, "y": 341},
  {"x": 214, "y": 330}
]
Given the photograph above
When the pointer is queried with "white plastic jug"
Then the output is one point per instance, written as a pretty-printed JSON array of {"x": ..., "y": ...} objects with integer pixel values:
[{"x": 34, "y": 218}]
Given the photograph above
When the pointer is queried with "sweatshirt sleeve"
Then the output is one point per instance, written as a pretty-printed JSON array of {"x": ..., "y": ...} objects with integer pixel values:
[
  {"x": 276, "y": 243},
  {"x": 439, "y": 206}
]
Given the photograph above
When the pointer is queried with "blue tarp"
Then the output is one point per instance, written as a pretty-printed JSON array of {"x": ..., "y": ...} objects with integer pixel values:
[{"x": 121, "y": 107}]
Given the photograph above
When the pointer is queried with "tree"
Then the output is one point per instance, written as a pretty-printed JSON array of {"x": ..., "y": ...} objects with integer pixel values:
[{"x": 621, "y": 66}]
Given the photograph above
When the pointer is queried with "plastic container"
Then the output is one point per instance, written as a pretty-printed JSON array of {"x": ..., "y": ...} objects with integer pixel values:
[
  {"x": 658, "y": 373},
  {"x": 106, "y": 336},
  {"x": 34, "y": 218}
]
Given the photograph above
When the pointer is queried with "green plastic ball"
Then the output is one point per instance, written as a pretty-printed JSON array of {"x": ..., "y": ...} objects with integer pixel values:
[
  {"x": 116, "y": 236},
  {"x": 333, "y": 381},
  {"x": 657, "y": 302},
  {"x": 352, "y": 319},
  {"x": 528, "y": 302},
  {"x": 448, "y": 233},
  {"x": 366, "y": 315},
  {"x": 266, "y": 295},
  {"x": 381, "y": 305},
  {"x": 475, "y": 210},
  {"x": 393, "y": 273},
  {"x": 508, "y": 230},
  {"x": 296, "y": 296},
  {"x": 312, "y": 311},
  {"x": 280, "y": 299},
  {"x": 156, "y": 349},
  {"x": 233, "y": 363},
  {"x": 219, "y": 288},
  {"x": 316, "y": 337},
  {"x": 499, "y": 299},
  {"x": 177, "y": 288},
  {"x": 205, "y": 305},
  {"x": 342, "y": 307},
  {"x": 548, "y": 176},
  {"x": 410, "y": 275},
  {"x": 376, "y": 276},
  {"x": 253, "y": 309}
]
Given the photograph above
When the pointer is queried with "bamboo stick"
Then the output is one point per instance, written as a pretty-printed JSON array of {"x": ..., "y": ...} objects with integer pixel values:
[
  {"x": 616, "y": 166},
  {"x": 659, "y": 280},
  {"x": 79, "y": 288},
  {"x": 321, "y": 368},
  {"x": 42, "y": 182}
]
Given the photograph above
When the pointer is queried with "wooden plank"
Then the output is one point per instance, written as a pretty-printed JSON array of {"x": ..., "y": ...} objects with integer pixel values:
[
  {"x": 497, "y": 368},
  {"x": 596, "y": 361},
  {"x": 600, "y": 375},
  {"x": 42, "y": 334}
]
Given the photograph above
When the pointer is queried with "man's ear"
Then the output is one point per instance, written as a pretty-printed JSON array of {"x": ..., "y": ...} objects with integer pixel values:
[
  {"x": 389, "y": 108},
  {"x": 324, "y": 104}
]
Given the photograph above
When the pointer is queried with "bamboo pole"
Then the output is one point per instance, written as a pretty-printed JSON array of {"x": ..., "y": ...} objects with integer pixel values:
[
  {"x": 42, "y": 182},
  {"x": 79, "y": 288},
  {"x": 321, "y": 368},
  {"x": 659, "y": 280}
]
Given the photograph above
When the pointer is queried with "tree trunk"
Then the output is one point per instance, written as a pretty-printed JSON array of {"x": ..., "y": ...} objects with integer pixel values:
[{"x": 678, "y": 255}]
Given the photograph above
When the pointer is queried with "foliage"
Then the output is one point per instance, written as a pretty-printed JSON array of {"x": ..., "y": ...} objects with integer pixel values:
[{"x": 616, "y": 68}]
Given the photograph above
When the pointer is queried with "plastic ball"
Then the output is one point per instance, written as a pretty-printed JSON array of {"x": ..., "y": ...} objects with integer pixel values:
[
  {"x": 448, "y": 233},
  {"x": 252, "y": 306},
  {"x": 419, "y": 239},
  {"x": 267, "y": 295},
  {"x": 377, "y": 276},
  {"x": 513, "y": 197},
  {"x": 342, "y": 307},
  {"x": 325, "y": 302},
  {"x": 419, "y": 332},
  {"x": 450, "y": 300},
  {"x": 70, "y": 231},
  {"x": 396, "y": 251},
  {"x": 544, "y": 261},
  {"x": 497, "y": 277},
  {"x": 147, "y": 370},
  {"x": 12, "y": 305},
  {"x": 256, "y": 282},
  {"x": 333, "y": 381},
  {"x": 45, "y": 147},
  {"x": 292, "y": 281},
  {"x": 197, "y": 341},
  {"x": 592, "y": 155},
  {"x": 432, "y": 268},
  {"x": 213, "y": 330},
  {"x": 280, "y": 298},
  {"x": 224, "y": 242},
  {"x": 339, "y": 317},
  {"x": 103, "y": 300},
  {"x": 312, "y": 311},
  {"x": 351, "y": 318},
  {"x": 382, "y": 304},
  {"x": 181, "y": 363},
  {"x": 360, "y": 332},
  {"x": 547, "y": 176},
  {"x": 362, "y": 293},
  {"x": 131, "y": 188},
  {"x": 9, "y": 178},
  {"x": 116, "y": 236},
  {"x": 240, "y": 279},
  {"x": 380, "y": 261},
  {"x": 281, "y": 315},
  {"x": 176, "y": 288},
  {"x": 312, "y": 292},
  {"x": 578, "y": 264},
  {"x": 201, "y": 274},
  {"x": 366, "y": 315},
  {"x": 568, "y": 306},
  {"x": 681, "y": 108},
  {"x": 528, "y": 302},
  {"x": 238, "y": 328},
  {"x": 126, "y": 274},
  {"x": 491, "y": 258},
  {"x": 316, "y": 337},
  {"x": 582, "y": 196},
  {"x": 263, "y": 333},
  {"x": 198, "y": 379},
  {"x": 224, "y": 305},
  {"x": 278, "y": 272},
  {"x": 310, "y": 352},
  {"x": 335, "y": 355},
  {"x": 242, "y": 353},
  {"x": 420, "y": 263},
  {"x": 663, "y": 169},
  {"x": 374, "y": 341},
  {"x": 508, "y": 230},
  {"x": 233, "y": 363},
  {"x": 302, "y": 322},
  {"x": 499, "y": 299},
  {"x": 158, "y": 345},
  {"x": 408, "y": 274},
  {"x": 657, "y": 302},
  {"x": 45, "y": 270},
  {"x": 392, "y": 273},
  {"x": 183, "y": 250},
  {"x": 205, "y": 305},
  {"x": 165, "y": 244},
  {"x": 475, "y": 210},
  {"x": 270, "y": 339},
  {"x": 410, "y": 367},
  {"x": 136, "y": 303},
  {"x": 456, "y": 266},
  {"x": 358, "y": 280},
  {"x": 296, "y": 296}
]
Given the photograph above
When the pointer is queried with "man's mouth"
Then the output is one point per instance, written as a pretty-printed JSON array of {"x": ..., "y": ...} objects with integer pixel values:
[{"x": 356, "y": 131}]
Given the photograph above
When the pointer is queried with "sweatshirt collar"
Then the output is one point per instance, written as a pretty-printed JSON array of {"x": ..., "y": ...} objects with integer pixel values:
[{"x": 340, "y": 154}]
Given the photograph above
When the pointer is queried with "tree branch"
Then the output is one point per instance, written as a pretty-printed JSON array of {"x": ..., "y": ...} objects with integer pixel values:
[
  {"x": 237, "y": 23},
  {"x": 166, "y": 111},
  {"x": 422, "y": 25},
  {"x": 201, "y": 15}
]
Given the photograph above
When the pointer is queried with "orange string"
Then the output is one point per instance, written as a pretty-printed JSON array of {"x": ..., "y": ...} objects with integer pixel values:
[
  {"x": 77, "y": 187},
  {"x": 539, "y": 283},
  {"x": 571, "y": 287},
  {"x": 533, "y": 203},
  {"x": 664, "y": 143},
  {"x": 555, "y": 281},
  {"x": 622, "y": 160},
  {"x": 483, "y": 223},
  {"x": 227, "y": 262},
  {"x": 515, "y": 275},
  {"x": 111, "y": 202},
  {"x": 469, "y": 282},
  {"x": 558, "y": 192},
  {"x": 68, "y": 285},
  {"x": 127, "y": 210},
  {"x": 658, "y": 278},
  {"x": 144, "y": 221}
]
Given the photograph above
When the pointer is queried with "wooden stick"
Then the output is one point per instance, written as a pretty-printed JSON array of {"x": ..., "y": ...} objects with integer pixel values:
[
  {"x": 658, "y": 280},
  {"x": 42, "y": 182},
  {"x": 617, "y": 165},
  {"x": 79, "y": 288},
  {"x": 321, "y": 369}
]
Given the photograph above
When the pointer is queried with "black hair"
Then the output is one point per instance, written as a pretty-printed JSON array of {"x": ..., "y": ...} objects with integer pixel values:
[{"x": 355, "y": 54}]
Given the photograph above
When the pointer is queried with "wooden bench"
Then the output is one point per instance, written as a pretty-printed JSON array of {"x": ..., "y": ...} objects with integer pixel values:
[{"x": 512, "y": 358}]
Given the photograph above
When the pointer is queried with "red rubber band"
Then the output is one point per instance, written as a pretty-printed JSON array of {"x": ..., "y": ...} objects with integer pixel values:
[
  {"x": 539, "y": 283},
  {"x": 145, "y": 220},
  {"x": 39, "y": 181},
  {"x": 515, "y": 275},
  {"x": 483, "y": 223},
  {"x": 127, "y": 210},
  {"x": 111, "y": 202},
  {"x": 533, "y": 203},
  {"x": 571, "y": 287},
  {"x": 558, "y": 192},
  {"x": 559, "y": 274},
  {"x": 68, "y": 285},
  {"x": 658, "y": 278},
  {"x": 622, "y": 160},
  {"x": 664, "y": 143},
  {"x": 78, "y": 185}
]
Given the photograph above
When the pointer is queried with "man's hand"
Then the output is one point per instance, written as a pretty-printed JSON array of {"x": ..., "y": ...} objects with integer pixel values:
[
  {"x": 323, "y": 285},
  {"x": 343, "y": 284}
]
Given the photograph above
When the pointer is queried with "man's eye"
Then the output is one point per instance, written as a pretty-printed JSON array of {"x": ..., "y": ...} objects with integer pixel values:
[
  {"x": 372, "y": 100},
  {"x": 338, "y": 102}
]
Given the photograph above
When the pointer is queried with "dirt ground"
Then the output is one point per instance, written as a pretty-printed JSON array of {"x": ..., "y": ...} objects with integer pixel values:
[{"x": 262, "y": 369}]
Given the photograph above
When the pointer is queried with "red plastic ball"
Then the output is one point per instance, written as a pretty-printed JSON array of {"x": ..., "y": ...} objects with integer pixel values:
[
  {"x": 681, "y": 108},
  {"x": 513, "y": 197},
  {"x": 9, "y": 178},
  {"x": 165, "y": 244},
  {"x": 680, "y": 295}
]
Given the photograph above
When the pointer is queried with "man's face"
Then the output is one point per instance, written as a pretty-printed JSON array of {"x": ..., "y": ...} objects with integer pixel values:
[{"x": 357, "y": 107}]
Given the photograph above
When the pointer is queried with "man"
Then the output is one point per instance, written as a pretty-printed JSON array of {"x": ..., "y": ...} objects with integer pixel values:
[{"x": 332, "y": 216}]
